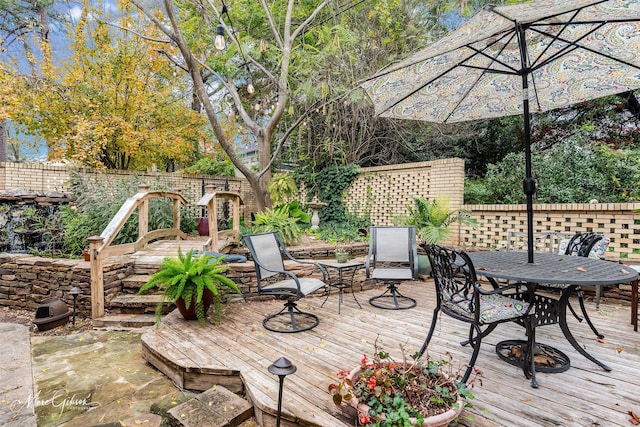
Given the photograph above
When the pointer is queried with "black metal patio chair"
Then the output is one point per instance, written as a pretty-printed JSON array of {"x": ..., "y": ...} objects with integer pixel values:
[
  {"x": 392, "y": 258},
  {"x": 269, "y": 254},
  {"x": 460, "y": 295},
  {"x": 582, "y": 244}
]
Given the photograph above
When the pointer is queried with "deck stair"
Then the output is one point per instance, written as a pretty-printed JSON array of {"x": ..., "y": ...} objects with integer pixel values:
[{"x": 216, "y": 407}]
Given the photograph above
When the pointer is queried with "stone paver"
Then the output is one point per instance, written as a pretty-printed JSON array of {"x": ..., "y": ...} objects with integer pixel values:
[{"x": 16, "y": 383}]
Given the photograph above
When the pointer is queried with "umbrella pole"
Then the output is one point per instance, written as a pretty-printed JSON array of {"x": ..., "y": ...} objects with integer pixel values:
[{"x": 529, "y": 184}]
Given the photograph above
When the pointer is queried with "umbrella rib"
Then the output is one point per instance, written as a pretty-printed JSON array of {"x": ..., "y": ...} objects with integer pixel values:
[
  {"x": 484, "y": 70},
  {"x": 574, "y": 45},
  {"x": 493, "y": 58},
  {"x": 427, "y": 83},
  {"x": 553, "y": 38}
]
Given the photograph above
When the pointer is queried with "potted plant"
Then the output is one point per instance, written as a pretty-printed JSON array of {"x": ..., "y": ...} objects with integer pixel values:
[
  {"x": 192, "y": 282},
  {"x": 342, "y": 255},
  {"x": 432, "y": 219},
  {"x": 401, "y": 393}
]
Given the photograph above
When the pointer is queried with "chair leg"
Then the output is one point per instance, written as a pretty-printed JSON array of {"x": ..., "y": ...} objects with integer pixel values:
[
  {"x": 432, "y": 328},
  {"x": 296, "y": 320},
  {"x": 398, "y": 301},
  {"x": 475, "y": 342}
]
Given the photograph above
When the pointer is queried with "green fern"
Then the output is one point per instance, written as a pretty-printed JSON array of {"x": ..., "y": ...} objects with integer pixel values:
[
  {"x": 186, "y": 277},
  {"x": 432, "y": 218}
]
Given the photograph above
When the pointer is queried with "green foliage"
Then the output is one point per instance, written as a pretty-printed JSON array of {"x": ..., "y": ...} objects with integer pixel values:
[
  {"x": 282, "y": 187},
  {"x": 279, "y": 221},
  {"x": 97, "y": 202},
  {"x": 186, "y": 277},
  {"x": 295, "y": 210},
  {"x": 575, "y": 171},
  {"x": 432, "y": 219},
  {"x": 475, "y": 191},
  {"x": 329, "y": 185},
  {"x": 76, "y": 227},
  {"x": 212, "y": 166},
  {"x": 335, "y": 232}
]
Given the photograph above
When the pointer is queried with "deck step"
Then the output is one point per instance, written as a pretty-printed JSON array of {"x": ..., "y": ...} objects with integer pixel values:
[
  {"x": 124, "y": 321},
  {"x": 138, "y": 304},
  {"x": 216, "y": 407}
]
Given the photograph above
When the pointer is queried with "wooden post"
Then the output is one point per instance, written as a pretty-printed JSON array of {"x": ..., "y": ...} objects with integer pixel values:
[
  {"x": 176, "y": 215},
  {"x": 236, "y": 218},
  {"x": 212, "y": 216},
  {"x": 176, "y": 211},
  {"x": 97, "y": 279},
  {"x": 143, "y": 210}
]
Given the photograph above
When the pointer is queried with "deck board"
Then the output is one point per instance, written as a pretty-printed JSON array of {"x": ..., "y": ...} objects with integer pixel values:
[{"x": 585, "y": 395}]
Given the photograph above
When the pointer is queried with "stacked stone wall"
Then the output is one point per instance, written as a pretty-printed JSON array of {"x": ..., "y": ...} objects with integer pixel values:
[{"x": 26, "y": 280}]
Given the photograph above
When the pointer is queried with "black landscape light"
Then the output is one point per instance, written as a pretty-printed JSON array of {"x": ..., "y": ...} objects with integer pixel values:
[
  {"x": 74, "y": 292},
  {"x": 281, "y": 367}
]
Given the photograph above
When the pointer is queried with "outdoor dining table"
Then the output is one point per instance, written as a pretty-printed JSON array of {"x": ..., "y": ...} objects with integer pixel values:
[{"x": 550, "y": 268}]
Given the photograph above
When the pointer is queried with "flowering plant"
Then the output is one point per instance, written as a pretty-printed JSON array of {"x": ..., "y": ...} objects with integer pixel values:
[{"x": 398, "y": 394}]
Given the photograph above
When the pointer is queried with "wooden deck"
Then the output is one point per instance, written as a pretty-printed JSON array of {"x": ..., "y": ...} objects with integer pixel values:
[
  {"x": 241, "y": 349},
  {"x": 156, "y": 251}
]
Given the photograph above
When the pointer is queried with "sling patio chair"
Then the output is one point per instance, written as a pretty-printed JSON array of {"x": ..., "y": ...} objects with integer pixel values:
[
  {"x": 392, "y": 258},
  {"x": 460, "y": 295},
  {"x": 269, "y": 254}
]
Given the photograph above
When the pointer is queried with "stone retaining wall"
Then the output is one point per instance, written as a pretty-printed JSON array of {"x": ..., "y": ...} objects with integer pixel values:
[{"x": 26, "y": 280}]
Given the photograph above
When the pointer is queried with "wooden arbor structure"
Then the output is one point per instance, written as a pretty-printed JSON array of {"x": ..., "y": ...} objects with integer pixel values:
[
  {"x": 102, "y": 247},
  {"x": 209, "y": 200}
]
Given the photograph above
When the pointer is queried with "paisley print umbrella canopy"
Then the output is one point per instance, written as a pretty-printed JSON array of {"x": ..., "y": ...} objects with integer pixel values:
[{"x": 517, "y": 59}]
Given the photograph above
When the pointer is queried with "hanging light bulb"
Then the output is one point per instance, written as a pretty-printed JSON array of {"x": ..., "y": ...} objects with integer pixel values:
[
  {"x": 219, "y": 40},
  {"x": 250, "y": 88}
]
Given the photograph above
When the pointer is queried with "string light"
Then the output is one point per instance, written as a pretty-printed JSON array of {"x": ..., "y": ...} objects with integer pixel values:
[
  {"x": 219, "y": 40},
  {"x": 220, "y": 44}
]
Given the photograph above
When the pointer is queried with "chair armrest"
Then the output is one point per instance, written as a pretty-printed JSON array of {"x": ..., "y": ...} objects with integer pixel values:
[
  {"x": 498, "y": 290},
  {"x": 284, "y": 272}
]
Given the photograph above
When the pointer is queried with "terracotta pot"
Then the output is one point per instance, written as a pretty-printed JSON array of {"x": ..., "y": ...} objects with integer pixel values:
[
  {"x": 189, "y": 313},
  {"x": 86, "y": 255},
  {"x": 440, "y": 420}
]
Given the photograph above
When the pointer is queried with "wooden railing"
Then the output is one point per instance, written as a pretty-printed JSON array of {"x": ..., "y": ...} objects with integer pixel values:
[
  {"x": 101, "y": 247},
  {"x": 210, "y": 201}
]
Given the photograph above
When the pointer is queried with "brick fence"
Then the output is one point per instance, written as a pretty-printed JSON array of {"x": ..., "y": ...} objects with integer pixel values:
[
  {"x": 620, "y": 222},
  {"x": 383, "y": 192},
  {"x": 380, "y": 192}
]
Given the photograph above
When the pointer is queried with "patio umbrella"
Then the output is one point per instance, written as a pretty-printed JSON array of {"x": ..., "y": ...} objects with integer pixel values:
[{"x": 518, "y": 59}]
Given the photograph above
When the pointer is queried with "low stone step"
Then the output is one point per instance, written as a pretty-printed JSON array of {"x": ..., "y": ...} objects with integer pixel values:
[
  {"x": 138, "y": 304},
  {"x": 216, "y": 407},
  {"x": 124, "y": 321},
  {"x": 135, "y": 281}
]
